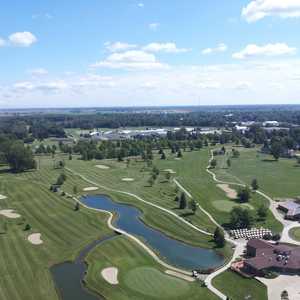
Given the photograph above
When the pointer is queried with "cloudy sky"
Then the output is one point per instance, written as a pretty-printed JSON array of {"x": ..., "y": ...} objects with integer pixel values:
[{"x": 66, "y": 53}]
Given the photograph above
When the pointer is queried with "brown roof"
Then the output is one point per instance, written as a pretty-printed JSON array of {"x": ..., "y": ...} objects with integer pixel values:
[
  {"x": 280, "y": 256},
  {"x": 259, "y": 244}
]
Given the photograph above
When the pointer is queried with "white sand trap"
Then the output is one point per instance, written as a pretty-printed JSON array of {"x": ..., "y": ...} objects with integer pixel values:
[
  {"x": 35, "y": 239},
  {"x": 9, "y": 213},
  {"x": 90, "y": 188},
  {"x": 110, "y": 275},
  {"x": 180, "y": 275},
  {"x": 2, "y": 197},
  {"x": 230, "y": 193},
  {"x": 127, "y": 179},
  {"x": 171, "y": 171},
  {"x": 102, "y": 167}
]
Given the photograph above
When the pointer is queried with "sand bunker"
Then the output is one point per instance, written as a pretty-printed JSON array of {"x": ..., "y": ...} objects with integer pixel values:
[
  {"x": 171, "y": 171},
  {"x": 110, "y": 275},
  {"x": 128, "y": 179},
  {"x": 2, "y": 197},
  {"x": 230, "y": 193},
  {"x": 35, "y": 239},
  {"x": 90, "y": 188},
  {"x": 9, "y": 213},
  {"x": 180, "y": 275},
  {"x": 103, "y": 167}
]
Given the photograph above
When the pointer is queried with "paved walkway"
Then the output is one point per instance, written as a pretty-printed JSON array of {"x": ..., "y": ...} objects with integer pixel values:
[{"x": 276, "y": 286}]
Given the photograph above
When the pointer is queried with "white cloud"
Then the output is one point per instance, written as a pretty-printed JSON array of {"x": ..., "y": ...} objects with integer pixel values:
[
  {"x": 220, "y": 48},
  {"x": 164, "y": 47},
  {"x": 140, "y": 4},
  {"x": 252, "y": 51},
  {"x": 48, "y": 86},
  {"x": 118, "y": 46},
  {"x": 22, "y": 39},
  {"x": 210, "y": 85},
  {"x": 38, "y": 72},
  {"x": 132, "y": 59},
  {"x": 154, "y": 26},
  {"x": 259, "y": 9}
]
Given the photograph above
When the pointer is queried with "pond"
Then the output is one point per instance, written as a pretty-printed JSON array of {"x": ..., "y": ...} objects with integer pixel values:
[
  {"x": 174, "y": 252},
  {"x": 69, "y": 276}
]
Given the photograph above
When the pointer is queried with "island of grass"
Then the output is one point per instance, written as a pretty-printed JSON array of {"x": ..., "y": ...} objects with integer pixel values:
[
  {"x": 237, "y": 287},
  {"x": 139, "y": 276},
  {"x": 294, "y": 233}
]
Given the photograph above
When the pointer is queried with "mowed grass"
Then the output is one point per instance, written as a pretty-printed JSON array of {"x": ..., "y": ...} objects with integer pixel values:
[
  {"x": 24, "y": 268},
  {"x": 228, "y": 205},
  {"x": 163, "y": 192},
  {"x": 237, "y": 287},
  {"x": 140, "y": 277},
  {"x": 295, "y": 234},
  {"x": 276, "y": 178}
]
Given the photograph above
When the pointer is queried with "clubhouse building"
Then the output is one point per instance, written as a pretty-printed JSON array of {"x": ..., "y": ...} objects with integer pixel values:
[{"x": 263, "y": 257}]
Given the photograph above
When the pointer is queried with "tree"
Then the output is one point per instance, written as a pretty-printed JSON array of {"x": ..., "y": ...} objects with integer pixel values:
[
  {"x": 228, "y": 163},
  {"x": 176, "y": 198},
  {"x": 241, "y": 218},
  {"x": 179, "y": 154},
  {"x": 20, "y": 158},
  {"x": 193, "y": 206},
  {"x": 61, "y": 179},
  {"x": 275, "y": 149},
  {"x": 219, "y": 237},
  {"x": 262, "y": 212},
  {"x": 244, "y": 194},
  {"x": 163, "y": 155},
  {"x": 182, "y": 201},
  {"x": 213, "y": 163},
  {"x": 77, "y": 206},
  {"x": 254, "y": 184},
  {"x": 75, "y": 190},
  {"x": 70, "y": 156},
  {"x": 27, "y": 227}
]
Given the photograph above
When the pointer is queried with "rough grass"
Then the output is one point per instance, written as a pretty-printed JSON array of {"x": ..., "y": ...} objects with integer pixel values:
[
  {"x": 276, "y": 178},
  {"x": 140, "y": 277},
  {"x": 228, "y": 205},
  {"x": 237, "y": 287}
]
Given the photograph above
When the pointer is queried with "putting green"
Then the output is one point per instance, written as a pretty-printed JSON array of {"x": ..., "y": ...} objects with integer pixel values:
[
  {"x": 227, "y": 205},
  {"x": 151, "y": 282}
]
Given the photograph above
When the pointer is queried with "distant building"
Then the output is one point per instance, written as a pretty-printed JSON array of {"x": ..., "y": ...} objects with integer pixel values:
[
  {"x": 271, "y": 124},
  {"x": 291, "y": 209},
  {"x": 264, "y": 257},
  {"x": 241, "y": 129}
]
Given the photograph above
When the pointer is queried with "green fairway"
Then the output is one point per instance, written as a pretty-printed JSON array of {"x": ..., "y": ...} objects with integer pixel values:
[
  {"x": 237, "y": 287},
  {"x": 295, "y": 233},
  {"x": 228, "y": 205},
  {"x": 64, "y": 232},
  {"x": 139, "y": 276},
  {"x": 276, "y": 178}
]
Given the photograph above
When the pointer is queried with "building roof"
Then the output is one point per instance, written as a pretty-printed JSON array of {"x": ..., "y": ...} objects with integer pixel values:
[
  {"x": 271, "y": 255},
  {"x": 259, "y": 244},
  {"x": 292, "y": 207}
]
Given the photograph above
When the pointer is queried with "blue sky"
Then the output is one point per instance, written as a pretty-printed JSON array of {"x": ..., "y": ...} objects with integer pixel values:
[{"x": 152, "y": 52}]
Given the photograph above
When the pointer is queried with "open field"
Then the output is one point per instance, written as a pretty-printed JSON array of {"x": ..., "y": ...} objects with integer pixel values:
[
  {"x": 139, "y": 276},
  {"x": 276, "y": 178},
  {"x": 237, "y": 287}
]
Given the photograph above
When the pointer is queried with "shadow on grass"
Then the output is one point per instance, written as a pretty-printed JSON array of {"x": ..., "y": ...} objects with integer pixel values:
[{"x": 270, "y": 160}]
